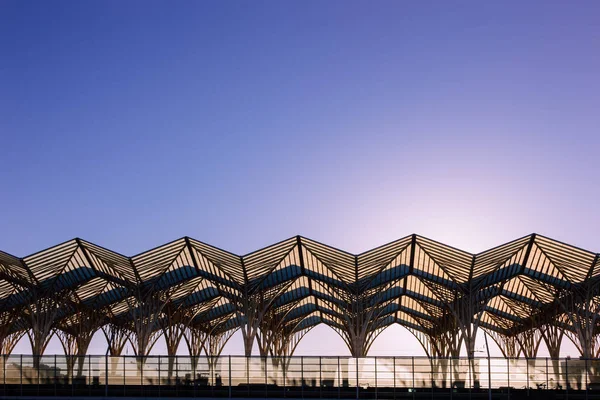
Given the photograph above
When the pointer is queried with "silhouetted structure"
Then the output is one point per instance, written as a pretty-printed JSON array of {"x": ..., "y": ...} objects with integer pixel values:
[
  {"x": 522, "y": 292},
  {"x": 302, "y": 377}
]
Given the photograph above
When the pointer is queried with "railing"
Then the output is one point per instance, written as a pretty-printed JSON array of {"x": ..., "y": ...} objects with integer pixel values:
[{"x": 298, "y": 377}]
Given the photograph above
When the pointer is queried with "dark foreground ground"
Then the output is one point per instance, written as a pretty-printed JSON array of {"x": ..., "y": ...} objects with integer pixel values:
[{"x": 28, "y": 391}]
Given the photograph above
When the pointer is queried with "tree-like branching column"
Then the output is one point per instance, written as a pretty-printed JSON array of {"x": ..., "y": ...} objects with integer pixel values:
[
  {"x": 43, "y": 313},
  {"x": 172, "y": 326},
  {"x": 214, "y": 346},
  {"x": 116, "y": 337},
  {"x": 8, "y": 344},
  {"x": 75, "y": 334},
  {"x": 194, "y": 339},
  {"x": 273, "y": 337},
  {"x": 10, "y": 341},
  {"x": 529, "y": 342},
  {"x": 360, "y": 322},
  {"x": 285, "y": 348},
  {"x": 441, "y": 348},
  {"x": 143, "y": 313},
  {"x": 10, "y": 334},
  {"x": 211, "y": 342},
  {"x": 448, "y": 346},
  {"x": 584, "y": 315},
  {"x": 508, "y": 345},
  {"x": 553, "y": 335},
  {"x": 252, "y": 312},
  {"x": 253, "y": 309},
  {"x": 525, "y": 343}
]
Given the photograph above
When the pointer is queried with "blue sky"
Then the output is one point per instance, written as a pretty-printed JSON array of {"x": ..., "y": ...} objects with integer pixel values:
[{"x": 133, "y": 123}]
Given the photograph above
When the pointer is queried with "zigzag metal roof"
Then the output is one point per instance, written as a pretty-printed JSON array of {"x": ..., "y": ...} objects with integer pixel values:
[{"x": 413, "y": 281}]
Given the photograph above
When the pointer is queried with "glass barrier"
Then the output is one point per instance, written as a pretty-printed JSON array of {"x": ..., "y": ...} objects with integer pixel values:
[{"x": 298, "y": 377}]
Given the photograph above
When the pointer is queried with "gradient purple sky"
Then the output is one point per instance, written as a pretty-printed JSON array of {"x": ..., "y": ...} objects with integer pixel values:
[{"x": 238, "y": 123}]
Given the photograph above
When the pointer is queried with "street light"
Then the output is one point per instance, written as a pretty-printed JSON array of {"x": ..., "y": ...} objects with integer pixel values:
[
  {"x": 487, "y": 348},
  {"x": 489, "y": 366}
]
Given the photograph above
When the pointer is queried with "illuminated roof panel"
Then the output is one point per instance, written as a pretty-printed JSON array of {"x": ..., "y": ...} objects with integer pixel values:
[{"x": 414, "y": 281}]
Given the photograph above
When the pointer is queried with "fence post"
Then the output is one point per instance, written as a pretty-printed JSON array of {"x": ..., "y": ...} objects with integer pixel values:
[
  {"x": 39, "y": 361},
  {"x": 302, "y": 375},
  {"x": 471, "y": 369},
  {"x": 413, "y": 377},
  {"x": 159, "y": 380},
  {"x": 248, "y": 373},
  {"x": 72, "y": 372},
  {"x": 320, "y": 378},
  {"x": 527, "y": 372},
  {"x": 55, "y": 376},
  {"x": 586, "y": 379},
  {"x": 376, "y": 377},
  {"x": 106, "y": 375},
  {"x": 89, "y": 380},
  {"x": 194, "y": 360},
  {"x": 285, "y": 364},
  {"x": 141, "y": 371},
  {"x": 567, "y": 377},
  {"x": 431, "y": 375},
  {"x": 230, "y": 376},
  {"x": 339, "y": 381},
  {"x": 394, "y": 360},
  {"x": 451, "y": 375},
  {"x": 508, "y": 375},
  {"x": 357, "y": 390},
  {"x": 547, "y": 373}
]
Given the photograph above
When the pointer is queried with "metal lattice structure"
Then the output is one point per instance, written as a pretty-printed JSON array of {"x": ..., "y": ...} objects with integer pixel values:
[{"x": 525, "y": 291}]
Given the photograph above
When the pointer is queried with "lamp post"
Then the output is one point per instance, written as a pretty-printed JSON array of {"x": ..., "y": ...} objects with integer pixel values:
[{"x": 487, "y": 348}]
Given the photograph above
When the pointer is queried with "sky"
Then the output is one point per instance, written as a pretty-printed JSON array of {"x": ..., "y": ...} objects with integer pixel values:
[{"x": 130, "y": 124}]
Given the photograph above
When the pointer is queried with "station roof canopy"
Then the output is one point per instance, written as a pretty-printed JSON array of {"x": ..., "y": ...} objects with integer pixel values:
[{"x": 414, "y": 281}]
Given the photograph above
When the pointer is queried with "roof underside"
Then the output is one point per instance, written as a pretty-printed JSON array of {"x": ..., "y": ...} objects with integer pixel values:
[{"x": 414, "y": 281}]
